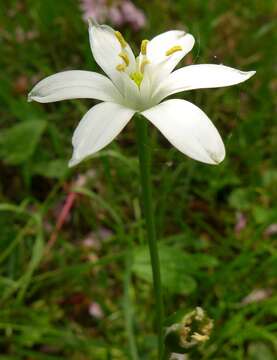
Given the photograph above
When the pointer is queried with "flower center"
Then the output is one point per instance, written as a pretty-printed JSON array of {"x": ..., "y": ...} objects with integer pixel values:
[
  {"x": 141, "y": 61},
  {"x": 137, "y": 74}
]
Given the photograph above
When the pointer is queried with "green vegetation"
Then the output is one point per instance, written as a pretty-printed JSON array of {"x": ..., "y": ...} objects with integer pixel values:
[{"x": 80, "y": 287}]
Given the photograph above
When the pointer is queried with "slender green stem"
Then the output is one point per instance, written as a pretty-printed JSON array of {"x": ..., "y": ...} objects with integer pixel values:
[
  {"x": 128, "y": 310},
  {"x": 146, "y": 187}
]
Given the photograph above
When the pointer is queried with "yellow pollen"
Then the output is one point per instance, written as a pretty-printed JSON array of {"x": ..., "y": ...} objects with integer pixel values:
[
  {"x": 137, "y": 77},
  {"x": 143, "y": 47},
  {"x": 173, "y": 50},
  {"x": 121, "y": 39},
  {"x": 124, "y": 57},
  {"x": 121, "y": 67},
  {"x": 142, "y": 65}
]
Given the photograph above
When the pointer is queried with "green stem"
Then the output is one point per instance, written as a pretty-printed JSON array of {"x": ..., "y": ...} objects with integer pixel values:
[
  {"x": 128, "y": 307},
  {"x": 146, "y": 187}
]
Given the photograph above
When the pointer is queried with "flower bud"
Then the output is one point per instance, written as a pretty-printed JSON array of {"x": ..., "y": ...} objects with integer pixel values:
[{"x": 190, "y": 330}]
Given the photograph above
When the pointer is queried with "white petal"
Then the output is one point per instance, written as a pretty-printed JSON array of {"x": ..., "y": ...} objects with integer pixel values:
[
  {"x": 146, "y": 92},
  {"x": 159, "y": 45},
  {"x": 100, "y": 125},
  {"x": 161, "y": 65},
  {"x": 130, "y": 92},
  {"x": 74, "y": 84},
  {"x": 188, "y": 129},
  {"x": 106, "y": 48},
  {"x": 202, "y": 76}
]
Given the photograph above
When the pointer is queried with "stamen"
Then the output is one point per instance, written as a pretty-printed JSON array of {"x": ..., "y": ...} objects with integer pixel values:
[
  {"x": 121, "y": 39},
  {"x": 121, "y": 67},
  {"x": 143, "y": 63},
  {"x": 173, "y": 50},
  {"x": 143, "y": 46},
  {"x": 124, "y": 57}
]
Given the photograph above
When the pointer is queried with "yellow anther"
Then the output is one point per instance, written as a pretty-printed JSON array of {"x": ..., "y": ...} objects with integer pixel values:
[
  {"x": 199, "y": 337},
  {"x": 143, "y": 63},
  {"x": 173, "y": 50},
  {"x": 143, "y": 46},
  {"x": 137, "y": 77},
  {"x": 121, "y": 67},
  {"x": 124, "y": 57},
  {"x": 121, "y": 39}
]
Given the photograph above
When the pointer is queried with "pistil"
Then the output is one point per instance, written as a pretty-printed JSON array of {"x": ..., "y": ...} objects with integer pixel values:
[{"x": 137, "y": 77}]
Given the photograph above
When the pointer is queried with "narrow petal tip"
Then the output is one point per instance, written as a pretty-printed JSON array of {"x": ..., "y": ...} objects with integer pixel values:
[
  {"x": 217, "y": 154},
  {"x": 245, "y": 75},
  {"x": 29, "y": 97},
  {"x": 73, "y": 162},
  {"x": 217, "y": 158},
  {"x": 251, "y": 73},
  {"x": 92, "y": 22}
]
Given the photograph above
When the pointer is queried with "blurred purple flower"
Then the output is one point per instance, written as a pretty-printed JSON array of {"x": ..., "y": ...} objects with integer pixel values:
[
  {"x": 95, "y": 310},
  {"x": 133, "y": 15},
  {"x": 115, "y": 16},
  {"x": 118, "y": 13},
  {"x": 241, "y": 222},
  {"x": 257, "y": 295},
  {"x": 96, "y": 9}
]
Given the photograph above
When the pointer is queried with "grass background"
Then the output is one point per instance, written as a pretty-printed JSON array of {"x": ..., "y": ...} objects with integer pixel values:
[{"x": 90, "y": 293}]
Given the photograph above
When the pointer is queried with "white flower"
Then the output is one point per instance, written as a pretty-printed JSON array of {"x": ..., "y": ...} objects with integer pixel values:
[{"x": 139, "y": 85}]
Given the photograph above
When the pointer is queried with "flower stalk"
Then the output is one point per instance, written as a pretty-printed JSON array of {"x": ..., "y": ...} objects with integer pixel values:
[{"x": 146, "y": 187}]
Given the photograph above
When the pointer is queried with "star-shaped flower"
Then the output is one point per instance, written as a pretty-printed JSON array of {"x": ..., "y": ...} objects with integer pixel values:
[{"x": 139, "y": 84}]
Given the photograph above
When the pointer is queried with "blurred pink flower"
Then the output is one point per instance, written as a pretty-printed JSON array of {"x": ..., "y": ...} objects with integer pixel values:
[
  {"x": 133, "y": 15},
  {"x": 257, "y": 295},
  {"x": 95, "y": 310},
  {"x": 118, "y": 13},
  {"x": 96, "y": 9},
  {"x": 115, "y": 16},
  {"x": 241, "y": 222}
]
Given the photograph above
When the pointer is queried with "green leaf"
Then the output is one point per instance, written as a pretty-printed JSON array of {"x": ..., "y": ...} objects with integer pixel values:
[
  {"x": 177, "y": 267},
  {"x": 260, "y": 351},
  {"x": 18, "y": 143},
  {"x": 52, "y": 169},
  {"x": 241, "y": 199},
  {"x": 173, "y": 269}
]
